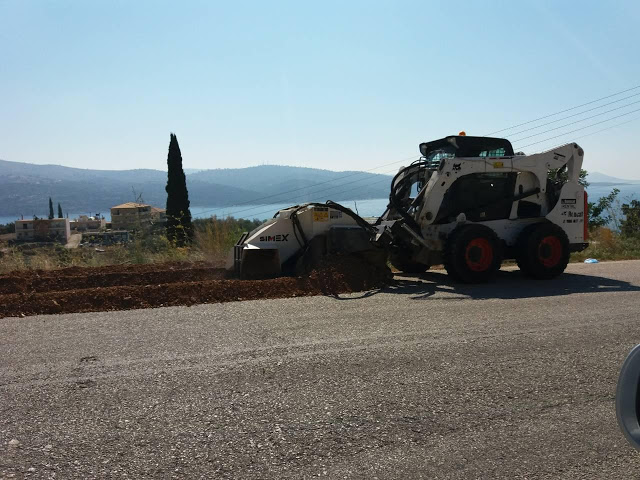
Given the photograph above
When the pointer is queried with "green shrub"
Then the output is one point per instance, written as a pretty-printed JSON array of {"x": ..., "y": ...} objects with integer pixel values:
[
  {"x": 606, "y": 244},
  {"x": 8, "y": 228}
]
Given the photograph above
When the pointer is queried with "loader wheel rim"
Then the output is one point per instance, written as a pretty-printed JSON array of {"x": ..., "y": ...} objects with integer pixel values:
[
  {"x": 550, "y": 251},
  {"x": 479, "y": 254}
]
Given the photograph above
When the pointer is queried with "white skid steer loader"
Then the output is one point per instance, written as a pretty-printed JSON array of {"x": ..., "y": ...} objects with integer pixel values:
[{"x": 468, "y": 203}]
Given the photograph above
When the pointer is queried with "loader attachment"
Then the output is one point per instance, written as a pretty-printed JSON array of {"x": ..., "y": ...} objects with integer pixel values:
[
  {"x": 298, "y": 240},
  {"x": 258, "y": 263}
]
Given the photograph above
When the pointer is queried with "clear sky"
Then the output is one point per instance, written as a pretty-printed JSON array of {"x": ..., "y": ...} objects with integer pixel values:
[{"x": 332, "y": 84}]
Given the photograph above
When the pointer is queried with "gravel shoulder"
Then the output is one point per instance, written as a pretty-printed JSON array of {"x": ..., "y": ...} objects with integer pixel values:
[{"x": 424, "y": 379}]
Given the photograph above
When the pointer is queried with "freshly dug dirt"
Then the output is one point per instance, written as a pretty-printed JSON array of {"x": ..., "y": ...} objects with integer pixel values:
[
  {"x": 76, "y": 278},
  {"x": 79, "y": 289}
]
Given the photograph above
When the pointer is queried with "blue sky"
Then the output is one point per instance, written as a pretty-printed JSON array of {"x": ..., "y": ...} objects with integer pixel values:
[{"x": 337, "y": 85}]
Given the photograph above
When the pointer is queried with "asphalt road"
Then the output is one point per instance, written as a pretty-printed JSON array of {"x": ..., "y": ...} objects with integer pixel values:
[{"x": 423, "y": 380}]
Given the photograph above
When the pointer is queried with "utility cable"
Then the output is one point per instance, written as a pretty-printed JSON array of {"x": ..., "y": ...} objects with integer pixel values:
[
  {"x": 577, "y": 121},
  {"x": 307, "y": 194},
  {"x": 597, "y": 131},
  {"x": 581, "y": 128},
  {"x": 574, "y": 115},
  {"x": 256, "y": 214},
  {"x": 252, "y": 201},
  {"x": 563, "y": 111},
  {"x": 249, "y": 202}
]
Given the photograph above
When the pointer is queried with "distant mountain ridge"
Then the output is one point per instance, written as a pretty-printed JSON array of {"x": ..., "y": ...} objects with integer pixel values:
[
  {"x": 596, "y": 178},
  {"x": 25, "y": 188}
]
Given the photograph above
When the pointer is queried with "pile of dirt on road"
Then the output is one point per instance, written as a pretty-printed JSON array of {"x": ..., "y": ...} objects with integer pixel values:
[{"x": 127, "y": 287}]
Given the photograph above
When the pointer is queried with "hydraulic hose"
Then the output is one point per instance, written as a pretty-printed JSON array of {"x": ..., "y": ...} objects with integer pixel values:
[
  {"x": 393, "y": 200},
  {"x": 297, "y": 227}
]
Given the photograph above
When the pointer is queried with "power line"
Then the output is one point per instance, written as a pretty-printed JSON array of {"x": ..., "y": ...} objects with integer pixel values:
[
  {"x": 307, "y": 194},
  {"x": 609, "y": 128},
  {"x": 324, "y": 190},
  {"x": 337, "y": 193},
  {"x": 249, "y": 202},
  {"x": 577, "y": 121},
  {"x": 302, "y": 194},
  {"x": 601, "y": 130},
  {"x": 271, "y": 196},
  {"x": 575, "y": 114},
  {"x": 564, "y": 111},
  {"x": 414, "y": 158},
  {"x": 581, "y": 128},
  {"x": 257, "y": 214}
]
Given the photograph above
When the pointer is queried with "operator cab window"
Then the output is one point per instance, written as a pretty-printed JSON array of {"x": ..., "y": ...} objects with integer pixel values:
[
  {"x": 499, "y": 152},
  {"x": 434, "y": 157}
]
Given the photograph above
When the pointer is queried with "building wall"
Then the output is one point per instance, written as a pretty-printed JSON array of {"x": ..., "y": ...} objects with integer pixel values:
[
  {"x": 84, "y": 224},
  {"x": 43, "y": 230},
  {"x": 131, "y": 217},
  {"x": 158, "y": 215}
]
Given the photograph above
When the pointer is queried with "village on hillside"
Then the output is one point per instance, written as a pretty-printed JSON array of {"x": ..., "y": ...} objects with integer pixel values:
[{"x": 88, "y": 230}]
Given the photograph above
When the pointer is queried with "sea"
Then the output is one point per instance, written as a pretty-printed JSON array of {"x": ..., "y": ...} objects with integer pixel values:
[{"x": 365, "y": 208}]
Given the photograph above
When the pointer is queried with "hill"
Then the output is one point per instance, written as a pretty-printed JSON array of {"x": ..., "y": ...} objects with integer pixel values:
[
  {"x": 596, "y": 178},
  {"x": 25, "y": 188}
]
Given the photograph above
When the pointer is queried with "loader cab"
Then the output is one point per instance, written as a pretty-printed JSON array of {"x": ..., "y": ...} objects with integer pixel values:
[
  {"x": 407, "y": 185},
  {"x": 464, "y": 146},
  {"x": 478, "y": 194}
]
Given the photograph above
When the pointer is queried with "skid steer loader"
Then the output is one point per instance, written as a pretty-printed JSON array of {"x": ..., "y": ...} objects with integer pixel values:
[{"x": 467, "y": 203}]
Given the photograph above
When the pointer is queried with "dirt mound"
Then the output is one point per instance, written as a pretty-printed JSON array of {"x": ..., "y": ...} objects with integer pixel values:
[
  {"x": 142, "y": 286},
  {"x": 75, "y": 278}
]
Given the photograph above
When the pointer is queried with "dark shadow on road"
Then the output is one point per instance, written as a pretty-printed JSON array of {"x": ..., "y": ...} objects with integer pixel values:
[{"x": 508, "y": 285}]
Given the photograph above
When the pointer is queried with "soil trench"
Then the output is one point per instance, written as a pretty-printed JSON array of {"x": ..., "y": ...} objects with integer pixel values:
[{"x": 124, "y": 287}]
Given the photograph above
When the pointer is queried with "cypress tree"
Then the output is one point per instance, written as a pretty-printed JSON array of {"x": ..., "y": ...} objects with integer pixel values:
[
  {"x": 179, "y": 227},
  {"x": 50, "y": 209},
  {"x": 60, "y": 211}
]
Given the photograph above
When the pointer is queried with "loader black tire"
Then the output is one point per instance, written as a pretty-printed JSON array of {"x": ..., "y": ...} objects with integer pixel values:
[
  {"x": 406, "y": 265},
  {"x": 472, "y": 254},
  {"x": 542, "y": 251}
]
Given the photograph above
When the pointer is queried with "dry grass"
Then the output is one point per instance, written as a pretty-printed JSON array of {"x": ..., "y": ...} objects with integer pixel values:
[
  {"x": 605, "y": 244},
  {"x": 213, "y": 239},
  {"x": 216, "y": 239}
]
